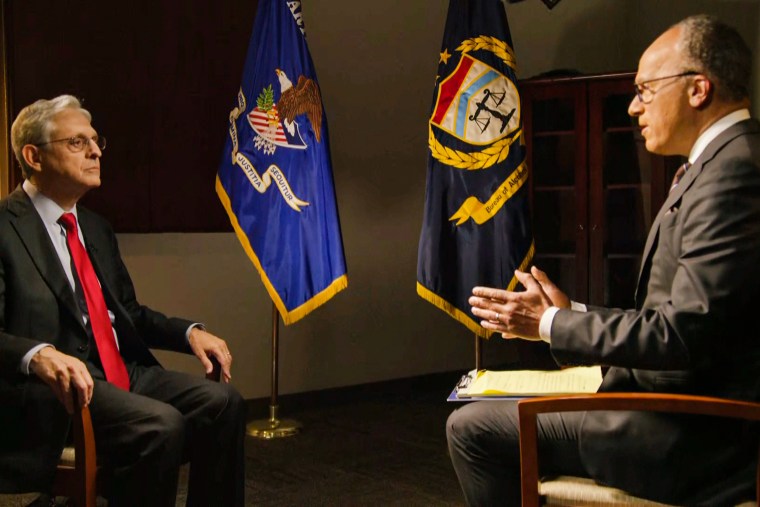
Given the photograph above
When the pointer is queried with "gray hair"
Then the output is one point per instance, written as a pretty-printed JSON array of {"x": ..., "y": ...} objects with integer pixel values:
[
  {"x": 35, "y": 122},
  {"x": 718, "y": 51}
]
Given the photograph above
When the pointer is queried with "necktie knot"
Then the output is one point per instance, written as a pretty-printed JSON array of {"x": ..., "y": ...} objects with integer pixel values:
[
  {"x": 679, "y": 174},
  {"x": 69, "y": 222}
]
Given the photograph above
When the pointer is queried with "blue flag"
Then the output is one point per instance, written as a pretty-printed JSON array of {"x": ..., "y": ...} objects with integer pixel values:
[
  {"x": 476, "y": 229},
  {"x": 275, "y": 179}
]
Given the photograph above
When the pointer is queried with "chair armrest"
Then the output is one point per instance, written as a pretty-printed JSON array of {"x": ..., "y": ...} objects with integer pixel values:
[
  {"x": 528, "y": 409},
  {"x": 80, "y": 480}
]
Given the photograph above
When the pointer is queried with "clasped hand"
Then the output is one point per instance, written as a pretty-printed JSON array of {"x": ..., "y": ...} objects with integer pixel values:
[{"x": 518, "y": 314}]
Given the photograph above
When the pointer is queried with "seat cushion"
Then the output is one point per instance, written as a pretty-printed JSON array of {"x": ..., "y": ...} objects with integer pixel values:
[
  {"x": 17, "y": 500},
  {"x": 580, "y": 491},
  {"x": 568, "y": 491},
  {"x": 67, "y": 457}
]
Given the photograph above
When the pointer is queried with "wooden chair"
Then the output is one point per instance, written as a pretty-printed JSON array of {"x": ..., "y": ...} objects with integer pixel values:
[
  {"x": 575, "y": 491},
  {"x": 77, "y": 474},
  {"x": 76, "y": 477}
]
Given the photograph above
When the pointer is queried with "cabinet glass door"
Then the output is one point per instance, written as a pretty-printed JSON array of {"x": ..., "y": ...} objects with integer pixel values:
[
  {"x": 555, "y": 119},
  {"x": 626, "y": 191}
]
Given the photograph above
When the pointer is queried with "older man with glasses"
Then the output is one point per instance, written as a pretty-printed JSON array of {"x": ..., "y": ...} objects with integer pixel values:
[
  {"x": 693, "y": 327},
  {"x": 72, "y": 331}
]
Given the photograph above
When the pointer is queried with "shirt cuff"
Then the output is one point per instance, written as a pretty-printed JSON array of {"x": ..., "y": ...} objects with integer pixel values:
[
  {"x": 545, "y": 324},
  {"x": 578, "y": 307},
  {"x": 27, "y": 359},
  {"x": 190, "y": 328}
]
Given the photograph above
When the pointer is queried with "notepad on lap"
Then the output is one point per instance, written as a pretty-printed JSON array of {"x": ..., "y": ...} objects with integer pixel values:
[{"x": 581, "y": 379}]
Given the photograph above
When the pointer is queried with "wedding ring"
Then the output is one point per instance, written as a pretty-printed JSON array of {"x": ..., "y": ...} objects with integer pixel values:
[{"x": 496, "y": 318}]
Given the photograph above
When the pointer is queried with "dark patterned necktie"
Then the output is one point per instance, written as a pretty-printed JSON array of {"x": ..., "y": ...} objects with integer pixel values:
[
  {"x": 110, "y": 358},
  {"x": 679, "y": 174}
]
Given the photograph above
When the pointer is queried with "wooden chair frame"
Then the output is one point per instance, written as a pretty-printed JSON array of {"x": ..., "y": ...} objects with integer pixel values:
[
  {"x": 528, "y": 409},
  {"x": 79, "y": 482}
]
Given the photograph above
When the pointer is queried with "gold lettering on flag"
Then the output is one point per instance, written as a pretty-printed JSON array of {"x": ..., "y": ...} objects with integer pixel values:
[
  {"x": 482, "y": 212},
  {"x": 261, "y": 183}
]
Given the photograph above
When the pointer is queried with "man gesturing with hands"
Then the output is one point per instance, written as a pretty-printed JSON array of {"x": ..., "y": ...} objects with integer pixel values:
[{"x": 692, "y": 326}]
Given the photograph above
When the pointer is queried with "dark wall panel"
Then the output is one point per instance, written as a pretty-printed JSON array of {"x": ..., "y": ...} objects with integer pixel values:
[{"x": 159, "y": 78}]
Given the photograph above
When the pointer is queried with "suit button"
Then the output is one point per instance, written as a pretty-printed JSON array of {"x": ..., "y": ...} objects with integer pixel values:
[{"x": 82, "y": 348}]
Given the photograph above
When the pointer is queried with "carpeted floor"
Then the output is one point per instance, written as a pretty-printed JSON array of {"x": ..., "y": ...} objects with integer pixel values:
[{"x": 379, "y": 444}]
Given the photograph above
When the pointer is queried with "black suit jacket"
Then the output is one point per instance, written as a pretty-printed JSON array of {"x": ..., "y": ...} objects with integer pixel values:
[
  {"x": 37, "y": 305},
  {"x": 693, "y": 330}
]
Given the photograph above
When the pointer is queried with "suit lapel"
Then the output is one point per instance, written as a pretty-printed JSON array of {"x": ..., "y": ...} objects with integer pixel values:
[
  {"x": 30, "y": 229},
  {"x": 674, "y": 196}
]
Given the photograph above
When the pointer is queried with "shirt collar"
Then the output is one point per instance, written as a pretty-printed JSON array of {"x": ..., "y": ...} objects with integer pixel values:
[
  {"x": 48, "y": 210},
  {"x": 715, "y": 130}
]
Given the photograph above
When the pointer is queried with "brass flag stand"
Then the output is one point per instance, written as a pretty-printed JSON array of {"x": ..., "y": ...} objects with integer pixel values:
[{"x": 273, "y": 427}]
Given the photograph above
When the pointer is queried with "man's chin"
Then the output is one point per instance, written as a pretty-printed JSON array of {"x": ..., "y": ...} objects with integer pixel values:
[{"x": 93, "y": 181}]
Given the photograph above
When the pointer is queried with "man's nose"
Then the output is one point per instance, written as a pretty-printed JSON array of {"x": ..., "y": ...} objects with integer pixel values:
[
  {"x": 635, "y": 108},
  {"x": 93, "y": 149}
]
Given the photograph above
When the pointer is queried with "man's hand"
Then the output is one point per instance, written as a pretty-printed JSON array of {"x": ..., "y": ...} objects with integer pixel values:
[
  {"x": 206, "y": 345},
  {"x": 63, "y": 374},
  {"x": 558, "y": 298},
  {"x": 515, "y": 314}
]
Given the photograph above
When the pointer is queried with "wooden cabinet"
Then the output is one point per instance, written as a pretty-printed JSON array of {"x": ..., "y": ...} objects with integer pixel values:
[{"x": 594, "y": 188}]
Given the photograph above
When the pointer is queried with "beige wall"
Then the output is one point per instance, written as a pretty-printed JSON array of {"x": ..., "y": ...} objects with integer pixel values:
[{"x": 376, "y": 62}]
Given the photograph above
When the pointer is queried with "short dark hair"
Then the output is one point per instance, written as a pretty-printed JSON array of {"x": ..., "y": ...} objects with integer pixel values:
[{"x": 717, "y": 50}]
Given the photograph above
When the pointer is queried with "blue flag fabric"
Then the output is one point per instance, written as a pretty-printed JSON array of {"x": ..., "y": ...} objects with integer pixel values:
[
  {"x": 275, "y": 178},
  {"x": 476, "y": 229}
]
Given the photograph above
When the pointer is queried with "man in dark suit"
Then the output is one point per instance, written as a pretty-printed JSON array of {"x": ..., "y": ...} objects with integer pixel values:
[
  {"x": 71, "y": 330},
  {"x": 692, "y": 329}
]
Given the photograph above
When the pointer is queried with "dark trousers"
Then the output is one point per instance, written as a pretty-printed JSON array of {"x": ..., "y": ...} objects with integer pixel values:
[
  {"x": 484, "y": 445},
  {"x": 167, "y": 418}
]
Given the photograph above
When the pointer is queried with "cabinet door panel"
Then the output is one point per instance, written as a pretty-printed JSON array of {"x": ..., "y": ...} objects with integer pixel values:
[
  {"x": 627, "y": 211},
  {"x": 555, "y": 221},
  {"x": 621, "y": 173},
  {"x": 555, "y": 117},
  {"x": 553, "y": 160},
  {"x": 625, "y": 160}
]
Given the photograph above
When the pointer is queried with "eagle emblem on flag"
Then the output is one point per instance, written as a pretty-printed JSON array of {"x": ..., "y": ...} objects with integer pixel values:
[{"x": 274, "y": 123}]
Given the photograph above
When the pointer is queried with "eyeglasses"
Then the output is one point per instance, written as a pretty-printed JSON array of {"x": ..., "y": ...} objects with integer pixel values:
[
  {"x": 79, "y": 143},
  {"x": 646, "y": 94}
]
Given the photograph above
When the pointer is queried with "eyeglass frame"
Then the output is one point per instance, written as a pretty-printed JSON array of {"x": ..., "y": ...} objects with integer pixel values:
[
  {"x": 97, "y": 139},
  {"x": 640, "y": 88}
]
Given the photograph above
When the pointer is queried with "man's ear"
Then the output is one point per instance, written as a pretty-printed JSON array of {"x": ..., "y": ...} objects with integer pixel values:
[
  {"x": 31, "y": 155},
  {"x": 701, "y": 92}
]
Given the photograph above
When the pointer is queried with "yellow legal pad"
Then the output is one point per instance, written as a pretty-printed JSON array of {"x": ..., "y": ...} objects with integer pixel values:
[{"x": 579, "y": 379}]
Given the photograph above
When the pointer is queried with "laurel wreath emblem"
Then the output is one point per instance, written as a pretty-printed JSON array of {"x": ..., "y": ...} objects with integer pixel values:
[
  {"x": 499, "y": 48},
  {"x": 472, "y": 161},
  {"x": 499, "y": 150}
]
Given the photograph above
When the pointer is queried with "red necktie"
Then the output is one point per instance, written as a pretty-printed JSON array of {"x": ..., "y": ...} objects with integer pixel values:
[
  {"x": 110, "y": 358},
  {"x": 679, "y": 174}
]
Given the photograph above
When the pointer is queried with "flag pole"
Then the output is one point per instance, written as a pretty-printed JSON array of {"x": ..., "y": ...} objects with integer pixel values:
[
  {"x": 273, "y": 427},
  {"x": 478, "y": 352}
]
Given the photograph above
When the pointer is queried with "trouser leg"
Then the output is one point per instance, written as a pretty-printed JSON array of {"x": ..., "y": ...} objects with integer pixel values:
[
  {"x": 484, "y": 445},
  {"x": 139, "y": 443},
  {"x": 214, "y": 417},
  {"x": 169, "y": 417}
]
